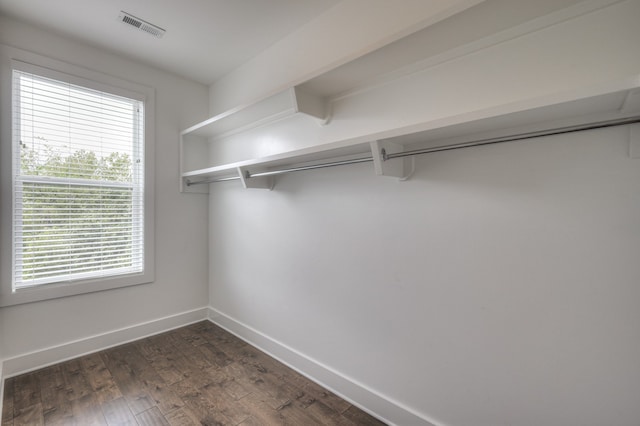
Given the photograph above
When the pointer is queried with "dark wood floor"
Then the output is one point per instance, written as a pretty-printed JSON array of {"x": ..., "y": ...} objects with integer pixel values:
[{"x": 195, "y": 375}]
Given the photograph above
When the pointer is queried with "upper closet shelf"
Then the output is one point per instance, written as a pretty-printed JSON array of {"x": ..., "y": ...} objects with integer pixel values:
[
  {"x": 278, "y": 106},
  {"x": 602, "y": 103}
]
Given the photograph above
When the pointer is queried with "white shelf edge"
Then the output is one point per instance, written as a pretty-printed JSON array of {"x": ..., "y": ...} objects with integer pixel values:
[
  {"x": 212, "y": 120},
  {"x": 296, "y": 156},
  {"x": 286, "y": 103},
  {"x": 629, "y": 87},
  {"x": 255, "y": 124}
]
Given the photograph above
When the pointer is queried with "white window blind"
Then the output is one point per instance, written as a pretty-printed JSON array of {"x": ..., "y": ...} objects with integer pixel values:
[{"x": 78, "y": 195}]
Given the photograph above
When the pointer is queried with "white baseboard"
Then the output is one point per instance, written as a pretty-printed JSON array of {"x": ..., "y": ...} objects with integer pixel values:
[
  {"x": 369, "y": 400},
  {"x": 55, "y": 354}
]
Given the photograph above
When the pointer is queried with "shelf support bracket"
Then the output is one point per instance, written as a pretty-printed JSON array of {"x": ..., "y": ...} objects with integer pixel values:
[
  {"x": 311, "y": 105},
  {"x": 634, "y": 140},
  {"x": 394, "y": 167},
  {"x": 262, "y": 182}
]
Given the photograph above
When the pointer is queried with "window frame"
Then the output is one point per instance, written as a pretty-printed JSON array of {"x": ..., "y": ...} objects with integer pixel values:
[{"x": 10, "y": 59}]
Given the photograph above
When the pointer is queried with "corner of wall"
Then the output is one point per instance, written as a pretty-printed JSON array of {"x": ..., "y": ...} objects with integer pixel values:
[{"x": 358, "y": 394}]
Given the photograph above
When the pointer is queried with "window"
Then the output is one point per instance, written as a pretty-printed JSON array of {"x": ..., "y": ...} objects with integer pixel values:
[{"x": 79, "y": 199}]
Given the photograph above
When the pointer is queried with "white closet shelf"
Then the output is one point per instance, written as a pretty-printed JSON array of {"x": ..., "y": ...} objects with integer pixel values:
[
  {"x": 278, "y": 106},
  {"x": 613, "y": 101},
  {"x": 343, "y": 149}
]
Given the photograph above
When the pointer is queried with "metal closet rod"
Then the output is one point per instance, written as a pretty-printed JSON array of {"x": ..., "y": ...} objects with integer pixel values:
[
  {"x": 282, "y": 171},
  {"x": 479, "y": 142}
]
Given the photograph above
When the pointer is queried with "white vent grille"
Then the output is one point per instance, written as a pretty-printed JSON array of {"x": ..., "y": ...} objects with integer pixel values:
[{"x": 140, "y": 24}]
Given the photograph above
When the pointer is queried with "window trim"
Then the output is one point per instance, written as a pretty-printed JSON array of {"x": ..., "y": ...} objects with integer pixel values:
[{"x": 13, "y": 58}]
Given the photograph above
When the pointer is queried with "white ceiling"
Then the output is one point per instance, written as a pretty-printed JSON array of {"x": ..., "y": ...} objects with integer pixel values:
[{"x": 205, "y": 39}]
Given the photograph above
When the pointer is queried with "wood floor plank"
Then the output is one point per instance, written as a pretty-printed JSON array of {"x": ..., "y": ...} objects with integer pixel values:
[
  {"x": 26, "y": 390},
  {"x": 159, "y": 351},
  {"x": 226, "y": 405},
  {"x": 200, "y": 405},
  {"x": 326, "y": 397},
  {"x": 215, "y": 355},
  {"x": 165, "y": 399},
  {"x": 228, "y": 384},
  {"x": 150, "y": 349},
  {"x": 54, "y": 395},
  {"x": 7, "y": 405},
  {"x": 28, "y": 416},
  {"x": 261, "y": 412},
  {"x": 191, "y": 335},
  {"x": 117, "y": 413},
  {"x": 127, "y": 381},
  {"x": 194, "y": 357},
  {"x": 269, "y": 382},
  {"x": 357, "y": 416},
  {"x": 227, "y": 342},
  {"x": 251, "y": 421},
  {"x": 187, "y": 370},
  {"x": 271, "y": 402},
  {"x": 86, "y": 411},
  {"x": 182, "y": 417},
  {"x": 313, "y": 391},
  {"x": 77, "y": 384},
  {"x": 153, "y": 347},
  {"x": 254, "y": 384},
  {"x": 317, "y": 413},
  {"x": 152, "y": 417},
  {"x": 168, "y": 370},
  {"x": 197, "y": 375},
  {"x": 100, "y": 378},
  {"x": 326, "y": 416},
  {"x": 234, "y": 389}
]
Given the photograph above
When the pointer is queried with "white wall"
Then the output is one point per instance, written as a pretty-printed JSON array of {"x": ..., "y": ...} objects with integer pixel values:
[
  {"x": 498, "y": 286},
  {"x": 181, "y": 246}
]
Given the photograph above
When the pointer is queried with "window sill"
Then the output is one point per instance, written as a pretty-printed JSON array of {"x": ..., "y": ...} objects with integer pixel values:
[{"x": 55, "y": 291}]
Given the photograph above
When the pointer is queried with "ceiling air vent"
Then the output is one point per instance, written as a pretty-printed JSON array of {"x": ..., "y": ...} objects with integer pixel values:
[{"x": 140, "y": 24}]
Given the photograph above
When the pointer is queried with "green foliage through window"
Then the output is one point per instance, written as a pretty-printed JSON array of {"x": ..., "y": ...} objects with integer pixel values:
[{"x": 71, "y": 224}]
